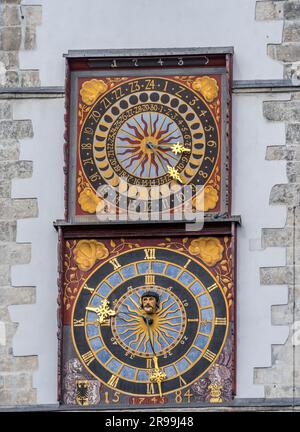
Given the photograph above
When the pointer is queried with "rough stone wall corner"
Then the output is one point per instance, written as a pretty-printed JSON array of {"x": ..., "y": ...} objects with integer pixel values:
[
  {"x": 17, "y": 32},
  {"x": 282, "y": 378}
]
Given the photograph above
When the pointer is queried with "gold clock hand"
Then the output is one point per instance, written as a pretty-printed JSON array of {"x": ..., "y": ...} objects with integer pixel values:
[
  {"x": 157, "y": 376},
  {"x": 179, "y": 148},
  {"x": 174, "y": 174},
  {"x": 102, "y": 311}
]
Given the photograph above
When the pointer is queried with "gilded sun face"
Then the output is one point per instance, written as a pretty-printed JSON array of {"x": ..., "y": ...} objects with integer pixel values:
[
  {"x": 149, "y": 304},
  {"x": 144, "y": 145},
  {"x": 130, "y": 329}
]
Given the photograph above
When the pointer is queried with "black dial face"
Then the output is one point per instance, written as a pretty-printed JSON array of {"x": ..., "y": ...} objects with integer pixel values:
[
  {"x": 184, "y": 327},
  {"x": 129, "y": 138}
]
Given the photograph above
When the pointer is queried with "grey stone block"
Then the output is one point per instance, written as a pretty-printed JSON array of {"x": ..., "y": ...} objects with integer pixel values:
[
  {"x": 10, "y": 38},
  {"x": 282, "y": 111},
  {"x": 293, "y": 216},
  {"x": 18, "y": 397},
  {"x": 30, "y": 78},
  {"x": 9, "y": 150},
  {"x": 22, "y": 363},
  {"x": 4, "y": 274},
  {"x": 12, "y": 79},
  {"x": 13, "y": 59},
  {"x": 293, "y": 254},
  {"x": 18, "y": 380},
  {"x": 5, "y": 110},
  {"x": 276, "y": 153},
  {"x": 7, "y": 231},
  {"x": 291, "y": 10},
  {"x": 277, "y": 237},
  {"x": 17, "y": 129},
  {"x": 15, "y": 169},
  {"x": 32, "y": 14},
  {"x": 291, "y": 31},
  {"x": 278, "y": 391},
  {"x": 15, "y": 296},
  {"x": 269, "y": 10},
  {"x": 25, "y": 208},
  {"x": 287, "y": 194},
  {"x": 5, "y": 189},
  {"x": 30, "y": 38},
  {"x": 282, "y": 314},
  {"x": 10, "y": 15},
  {"x": 293, "y": 133},
  {"x": 288, "y": 52},
  {"x": 15, "y": 253},
  {"x": 12, "y": 1},
  {"x": 293, "y": 153},
  {"x": 5, "y": 317},
  {"x": 293, "y": 172},
  {"x": 276, "y": 275},
  {"x": 11, "y": 209},
  {"x": 11, "y": 328},
  {"x": 10, "y": 59}
]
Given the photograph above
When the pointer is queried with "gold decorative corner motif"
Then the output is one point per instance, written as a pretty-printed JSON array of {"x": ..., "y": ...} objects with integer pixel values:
[
  {"x": 88, "y": 200},
  {"x": 87, "y": 252},
  {"x": 90, "y": 90},
  {"x": 207, "y": 86},
  {"x": 209, "y": 249}
]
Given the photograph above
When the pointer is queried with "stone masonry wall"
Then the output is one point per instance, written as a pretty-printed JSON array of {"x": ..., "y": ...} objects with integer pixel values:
[
  {"x": 283, "y": 378},
  {"x": 17, "y": 32}
]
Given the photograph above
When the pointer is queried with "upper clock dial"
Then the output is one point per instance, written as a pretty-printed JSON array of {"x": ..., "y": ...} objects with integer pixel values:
[{"x": 146, "y": 132}]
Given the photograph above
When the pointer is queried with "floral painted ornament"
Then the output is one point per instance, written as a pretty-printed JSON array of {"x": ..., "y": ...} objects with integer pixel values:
[
  {"x": 91, "y": 90},
  {"x": 210, "y": 199},
  {"x": 89, "y": 201},
  {"x": 209, "y": 249},
  {"x": 87, "y": 252},
  {"x": 207, "y": 86}
]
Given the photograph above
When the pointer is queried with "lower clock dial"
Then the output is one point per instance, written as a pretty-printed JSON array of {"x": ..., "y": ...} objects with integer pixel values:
[{"x": 170, "y": 317}]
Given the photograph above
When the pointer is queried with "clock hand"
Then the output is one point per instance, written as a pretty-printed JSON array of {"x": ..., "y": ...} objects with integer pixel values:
[
  {"x": 179, "y": 148},
  {"x": 102, "y": 311},
  {"x": 173, "y": 172},
  {"x": 157, "y": 375}
]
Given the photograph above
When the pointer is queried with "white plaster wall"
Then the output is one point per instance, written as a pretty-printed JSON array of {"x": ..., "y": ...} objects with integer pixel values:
[
  {"x": 94, "y": 24},
  {"x": 99, "y": 24},
  {"x": 37, "y": 331},
  {"x": 253, "y": 179}
]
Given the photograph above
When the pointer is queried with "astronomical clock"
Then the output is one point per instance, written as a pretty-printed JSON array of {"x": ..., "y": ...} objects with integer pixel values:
[
  {"x": 140, "y": 130},
  {"x": 148, "y": 320},
  {"x": 147, "y": 309}
]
